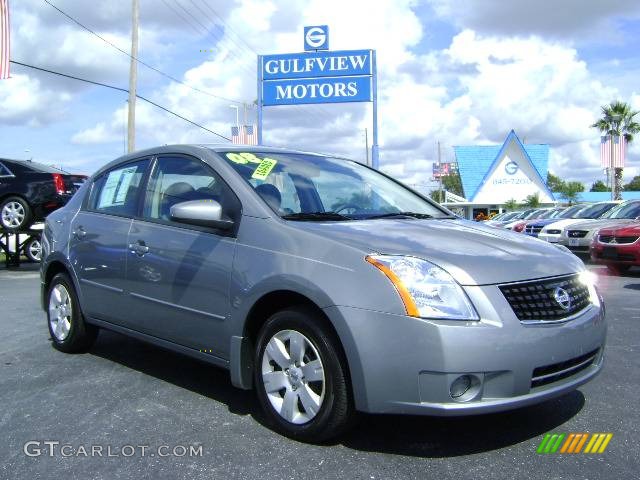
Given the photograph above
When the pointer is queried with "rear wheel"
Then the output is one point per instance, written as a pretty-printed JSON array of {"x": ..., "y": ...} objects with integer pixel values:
[
  {"x": 301, "y": 379},
  {"x": 618, "y": 269},
  {"x": 15, "y": 214},
  {"x": 69, "y": 332},
  {"x": 33, "y": 249}
]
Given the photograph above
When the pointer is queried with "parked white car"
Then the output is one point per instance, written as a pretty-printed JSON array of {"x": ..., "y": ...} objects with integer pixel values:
[{"x": 553, "y": 232}]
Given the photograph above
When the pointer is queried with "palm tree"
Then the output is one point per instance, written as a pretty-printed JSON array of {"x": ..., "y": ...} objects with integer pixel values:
[{"x": 618, "y": 120}]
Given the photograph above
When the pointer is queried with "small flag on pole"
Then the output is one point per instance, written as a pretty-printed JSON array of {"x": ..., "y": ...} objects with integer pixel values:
[
  {"x": 244, "y": 135},
  {"x": 235, "y": 135},
  {"x": 251, "y": 134},
  {"x": 612, "y": 157},
  {"x": 5, "y": 39}
]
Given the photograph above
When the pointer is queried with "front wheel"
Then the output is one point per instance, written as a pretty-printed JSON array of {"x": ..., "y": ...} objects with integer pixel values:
[
  {"x": 33, "y": 249},
  {"x": 69, "y": 332},
  {"x": 301, "y": 377}
]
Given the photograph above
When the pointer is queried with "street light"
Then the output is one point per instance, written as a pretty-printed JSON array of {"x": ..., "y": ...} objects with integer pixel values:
[{"x": 237, "y": 114}]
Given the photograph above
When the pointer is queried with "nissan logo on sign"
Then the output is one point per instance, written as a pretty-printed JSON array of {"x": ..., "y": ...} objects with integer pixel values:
[{"x": 316, "y": 38}]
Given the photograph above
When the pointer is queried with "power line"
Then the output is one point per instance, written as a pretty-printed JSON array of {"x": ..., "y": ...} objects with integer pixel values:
[
  {"x": 151, "y": 67},
  {"x": 120, "y": 90}
]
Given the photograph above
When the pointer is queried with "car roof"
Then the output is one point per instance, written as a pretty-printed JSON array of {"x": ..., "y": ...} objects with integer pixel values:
[{"x": 197, "y": 149}]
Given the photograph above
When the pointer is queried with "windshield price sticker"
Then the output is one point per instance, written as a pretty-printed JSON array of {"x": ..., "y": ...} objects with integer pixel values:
[
  {"x": 264, "y": 169},
  {"x": 243, "y": 158}
]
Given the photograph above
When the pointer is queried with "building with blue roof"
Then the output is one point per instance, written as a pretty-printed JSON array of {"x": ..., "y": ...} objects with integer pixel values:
[{"x": 491, "y": 175}]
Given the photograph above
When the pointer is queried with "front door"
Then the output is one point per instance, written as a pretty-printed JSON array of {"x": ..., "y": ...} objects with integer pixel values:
[{"x": 178, "y": 276}]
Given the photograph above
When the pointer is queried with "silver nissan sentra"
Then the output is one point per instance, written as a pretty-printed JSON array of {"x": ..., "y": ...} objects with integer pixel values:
[{"x": 327, "y": 286}]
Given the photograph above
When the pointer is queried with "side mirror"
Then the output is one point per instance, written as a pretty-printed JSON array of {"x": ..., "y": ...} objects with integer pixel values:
[{"x": 205, "y": 213}]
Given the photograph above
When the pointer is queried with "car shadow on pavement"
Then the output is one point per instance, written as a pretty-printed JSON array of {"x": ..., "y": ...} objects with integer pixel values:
[
  {"x": 396, "y": 434},
  {"x": 437, "y": 437},
  {"x": 180, "y": 370}
]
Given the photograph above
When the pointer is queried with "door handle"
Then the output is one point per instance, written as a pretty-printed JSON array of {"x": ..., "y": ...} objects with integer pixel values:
[
  {"x": 79, "y": 233},
  {"x": 139, "y": 248}
]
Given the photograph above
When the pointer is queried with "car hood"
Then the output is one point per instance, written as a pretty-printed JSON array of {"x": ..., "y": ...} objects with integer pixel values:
[
  {"x": 561, "y": 224},
  {"x": 472, "y": 253},
  {"x": 632, "y": 229},
  {"x": 599, "y": 223}
]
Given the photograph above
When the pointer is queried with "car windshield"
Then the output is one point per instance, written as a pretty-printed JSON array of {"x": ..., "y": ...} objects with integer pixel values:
[
  {"x": 597, "y": 210},
  {"x": 624, "y": 210},
  {"x": 570, "y": 212},
  {"x": 313, "y": 187}
]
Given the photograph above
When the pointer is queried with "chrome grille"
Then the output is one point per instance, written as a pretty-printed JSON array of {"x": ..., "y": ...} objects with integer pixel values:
[
  {"x": 620, "y": 240},
  {"x": 545, "y": 300},
  {"x": 577, "y": 233}
]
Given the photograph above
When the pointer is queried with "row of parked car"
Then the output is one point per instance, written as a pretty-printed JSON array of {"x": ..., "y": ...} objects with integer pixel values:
[{"x": 607, "y": 231}]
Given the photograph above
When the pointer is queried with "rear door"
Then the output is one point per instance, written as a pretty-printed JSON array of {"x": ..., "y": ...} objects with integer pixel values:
[
  {"x": 98, "y": 243},
  {"x": 178, "y": 276}
]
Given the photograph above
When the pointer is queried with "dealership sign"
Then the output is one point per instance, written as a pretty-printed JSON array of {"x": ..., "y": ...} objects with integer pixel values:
[{"x": 318, "y": 76}]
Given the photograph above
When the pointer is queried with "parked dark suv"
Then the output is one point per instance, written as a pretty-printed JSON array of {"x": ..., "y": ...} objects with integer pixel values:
[{"x": 29, "y": 191}]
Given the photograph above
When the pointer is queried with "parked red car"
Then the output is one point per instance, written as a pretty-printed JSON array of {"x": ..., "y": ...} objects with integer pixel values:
[{"x": 617, "y": 247}]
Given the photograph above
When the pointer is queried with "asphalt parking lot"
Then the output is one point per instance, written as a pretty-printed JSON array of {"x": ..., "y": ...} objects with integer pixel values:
[{"x": 124, "y": 392}]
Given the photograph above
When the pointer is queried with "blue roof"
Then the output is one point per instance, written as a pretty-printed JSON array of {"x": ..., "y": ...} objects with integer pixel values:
[
  {"x": 475, "y": 162},
  {"x": 601, "y": 196}
]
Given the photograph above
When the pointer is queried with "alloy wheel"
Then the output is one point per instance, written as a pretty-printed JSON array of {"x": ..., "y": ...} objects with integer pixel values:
[
  {"x": 60, "y": 312},
  {"x": 13, "y": 214},
  {"x": 293, "y": 376}
]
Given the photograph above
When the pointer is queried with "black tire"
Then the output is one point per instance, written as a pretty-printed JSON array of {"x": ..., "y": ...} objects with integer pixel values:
[
  {"x": 23, "y": 209},
  {"x": 336, "y": 412},
  {"x": 80, "y": 336},
  {"x": 618, "y": 269},
  {"x": 33, "y": 249}
]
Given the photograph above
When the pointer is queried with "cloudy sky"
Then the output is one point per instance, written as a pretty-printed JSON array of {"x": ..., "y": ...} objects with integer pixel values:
[{"x": 459, "y": 72}]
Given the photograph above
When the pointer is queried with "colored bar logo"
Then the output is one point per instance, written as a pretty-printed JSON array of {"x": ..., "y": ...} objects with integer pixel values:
[{"x": 574, "y": 443}]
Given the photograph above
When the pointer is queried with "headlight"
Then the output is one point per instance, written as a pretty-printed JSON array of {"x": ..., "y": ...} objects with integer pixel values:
[
  {"x": 426, "y": 290},
  {"x": 589, "y": 278}
]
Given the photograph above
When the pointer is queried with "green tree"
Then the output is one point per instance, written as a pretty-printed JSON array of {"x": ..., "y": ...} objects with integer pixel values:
[
  {"x": 571, "y": 191},
  {"x": 554, "y": 182},
  {"x": 599, "y": 186},
  {"x": 511, "y": 204},
  {"x": 618, "y": 120},
  {"x": 450, "y": 183},
  {"x": 532, "y": 201},
  {"x": 633, "y": 185},
  {"x": 453, "y": 184}
]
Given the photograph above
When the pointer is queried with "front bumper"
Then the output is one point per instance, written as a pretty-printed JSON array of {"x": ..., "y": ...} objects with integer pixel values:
[
  {"x": 577, "y": 245},
  {"x": 625, "y": 254},
  {"x": 548, "y": 237},
  {"x": 405, "y": 365}
]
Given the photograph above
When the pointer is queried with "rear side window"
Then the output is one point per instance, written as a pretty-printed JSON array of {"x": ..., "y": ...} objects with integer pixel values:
[
  {"x": 118, "y": 190},
  {"x": 4, "y": 171}
]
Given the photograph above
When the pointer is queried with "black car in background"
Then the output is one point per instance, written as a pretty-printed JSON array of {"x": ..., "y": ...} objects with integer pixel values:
[{"x": 29, "y": 191}]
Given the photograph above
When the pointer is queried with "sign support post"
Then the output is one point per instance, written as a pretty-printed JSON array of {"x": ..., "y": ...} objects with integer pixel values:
[
  {"x": 375, "y": 159},
  {"x": 259, "y": 99}
]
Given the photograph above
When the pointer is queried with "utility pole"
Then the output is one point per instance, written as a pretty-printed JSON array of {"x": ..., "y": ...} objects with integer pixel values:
[
  {"x": 366, "y": 145},
  {"x": 133, "y": 77},
  {"x": 440, "y": 174}
]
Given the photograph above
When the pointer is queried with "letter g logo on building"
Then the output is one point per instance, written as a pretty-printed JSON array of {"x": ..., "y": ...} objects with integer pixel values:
[{"x": 316, "y": 38}]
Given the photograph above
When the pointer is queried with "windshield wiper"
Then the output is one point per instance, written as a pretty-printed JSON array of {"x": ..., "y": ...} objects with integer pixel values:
[
  {"x": 402, "y": 214},
  {"x": 316, "y": 216}
]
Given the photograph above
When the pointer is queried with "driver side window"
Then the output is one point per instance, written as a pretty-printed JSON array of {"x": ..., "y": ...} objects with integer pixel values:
[{"x": 178, "y": 179}]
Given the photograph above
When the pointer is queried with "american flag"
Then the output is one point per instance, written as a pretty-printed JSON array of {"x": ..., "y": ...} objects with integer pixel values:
[
  {"x": 5, "y": 39},
  {"x": 619, "y": 147},
  {"x": 244, "y": 135}
]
